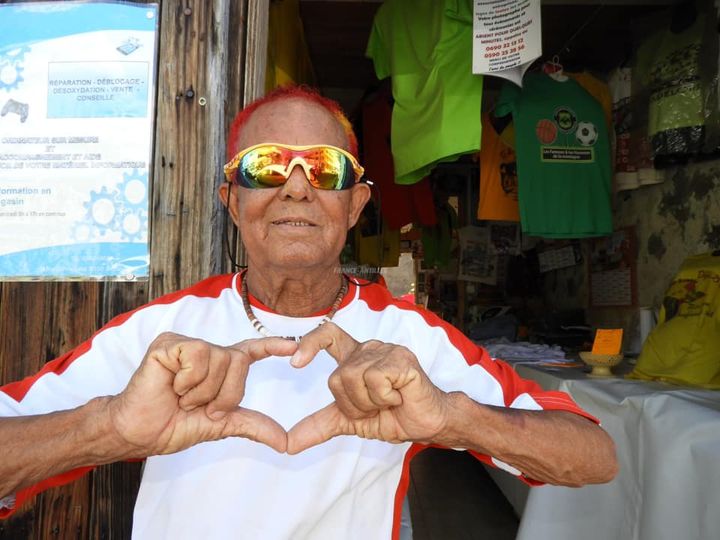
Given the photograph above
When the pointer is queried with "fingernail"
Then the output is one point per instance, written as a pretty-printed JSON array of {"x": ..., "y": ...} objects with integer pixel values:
[
  {"x": 217, "y": 415},
  {"x": 295, "y": 360}
]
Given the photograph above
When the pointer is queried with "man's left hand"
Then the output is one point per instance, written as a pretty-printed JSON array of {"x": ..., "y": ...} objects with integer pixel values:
[{"x": 380, "y": 391}]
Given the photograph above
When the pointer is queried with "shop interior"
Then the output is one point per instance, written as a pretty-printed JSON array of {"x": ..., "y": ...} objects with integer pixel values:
[
  {"x": 581, "y": 36},
  {"x": 534, "y": 298}
]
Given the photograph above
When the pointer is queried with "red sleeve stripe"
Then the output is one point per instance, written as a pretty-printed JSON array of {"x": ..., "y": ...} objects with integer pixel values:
[
  {"x": 378, "y": 298},
  {"x": 208, "y": 288},
  {"x": 54, "y": 481},
  {"x": 402, "y": 488}
]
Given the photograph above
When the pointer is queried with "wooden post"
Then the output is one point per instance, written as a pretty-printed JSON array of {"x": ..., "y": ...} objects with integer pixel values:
[{"x": 186, "y": 224}]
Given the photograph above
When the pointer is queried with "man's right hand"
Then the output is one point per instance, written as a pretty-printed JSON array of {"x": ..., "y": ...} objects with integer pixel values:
[{"x": 187, "y": 391}]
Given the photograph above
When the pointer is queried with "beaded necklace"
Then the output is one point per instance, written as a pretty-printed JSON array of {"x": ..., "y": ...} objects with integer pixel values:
[{"x": 259, "y": 327}]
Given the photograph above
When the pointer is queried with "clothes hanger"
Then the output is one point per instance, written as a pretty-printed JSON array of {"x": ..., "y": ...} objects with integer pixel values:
[{"x": 554, "y": 69}]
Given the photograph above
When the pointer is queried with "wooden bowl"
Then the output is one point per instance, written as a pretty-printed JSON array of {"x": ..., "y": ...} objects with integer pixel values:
[{"x": 600, "y": 363}]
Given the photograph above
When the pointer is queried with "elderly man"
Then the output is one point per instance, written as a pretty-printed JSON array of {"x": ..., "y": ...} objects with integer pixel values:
[{"x": 249, "y": 434}]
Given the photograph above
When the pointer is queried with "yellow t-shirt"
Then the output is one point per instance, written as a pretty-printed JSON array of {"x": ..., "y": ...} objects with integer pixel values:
[
  {"x": 684, "y": 348},
  {"x": 498, "y": 178},
  {"x": 597, "y": 89},
  {"x": 288, "y": 59}
]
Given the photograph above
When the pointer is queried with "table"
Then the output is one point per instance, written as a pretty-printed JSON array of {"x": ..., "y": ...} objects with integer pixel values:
[{"x": 668, "y": 446}]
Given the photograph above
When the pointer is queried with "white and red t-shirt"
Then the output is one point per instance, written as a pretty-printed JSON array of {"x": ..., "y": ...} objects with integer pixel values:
[{"x": 345, "y": 488}]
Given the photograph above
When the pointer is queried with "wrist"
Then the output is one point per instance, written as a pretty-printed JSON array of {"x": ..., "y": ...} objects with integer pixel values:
[
  {"x": 465, "y": 421},
  {"x": 105, "y": 443}
]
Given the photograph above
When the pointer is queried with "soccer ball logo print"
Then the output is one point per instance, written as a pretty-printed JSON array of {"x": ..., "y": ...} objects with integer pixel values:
[
  {"x": 586, "y": 133},
  {"x": 546, "y": 131}
]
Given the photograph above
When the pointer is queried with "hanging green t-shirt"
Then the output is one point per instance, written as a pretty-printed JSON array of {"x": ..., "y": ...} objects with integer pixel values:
[
  {"x": 669, "y": 70},
  {"x": 563, "y": 157},
  {"x": 426, "y": 46}
]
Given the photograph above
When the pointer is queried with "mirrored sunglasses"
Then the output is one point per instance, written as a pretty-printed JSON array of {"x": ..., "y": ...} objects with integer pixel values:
[{"x": 269, "y": 165}]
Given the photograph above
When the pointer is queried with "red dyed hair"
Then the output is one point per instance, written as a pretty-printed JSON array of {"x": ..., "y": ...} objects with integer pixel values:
[{"x": 291, "y": 92}]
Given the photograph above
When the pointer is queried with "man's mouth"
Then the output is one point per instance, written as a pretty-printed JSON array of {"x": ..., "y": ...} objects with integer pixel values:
[{"x": 293, "y": 222}]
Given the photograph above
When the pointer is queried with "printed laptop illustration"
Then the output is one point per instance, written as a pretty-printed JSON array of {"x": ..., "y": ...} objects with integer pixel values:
[{"x": 129, "y": 46}]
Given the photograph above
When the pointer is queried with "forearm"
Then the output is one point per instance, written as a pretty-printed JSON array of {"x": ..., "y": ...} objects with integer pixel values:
[
  {"x": 37, "y": 447},
  {"x": 556, "y": 447}
]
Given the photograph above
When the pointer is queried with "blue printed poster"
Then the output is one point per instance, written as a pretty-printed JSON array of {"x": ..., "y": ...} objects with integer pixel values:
[{"x": 77, "y": 86}]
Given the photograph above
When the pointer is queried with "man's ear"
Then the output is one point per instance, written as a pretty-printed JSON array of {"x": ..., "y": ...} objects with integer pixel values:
[
  {"x": 359, "y": 196},
  {"x": 228, "y": 197}
]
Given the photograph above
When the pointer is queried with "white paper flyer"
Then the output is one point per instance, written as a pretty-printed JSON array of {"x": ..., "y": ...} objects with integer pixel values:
[
  {"x": 76, "y": 128},
  {"x": 507, "y": 37}
]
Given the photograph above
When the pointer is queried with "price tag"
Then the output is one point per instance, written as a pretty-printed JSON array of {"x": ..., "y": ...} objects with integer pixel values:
[{"x": 608, "y": 341}]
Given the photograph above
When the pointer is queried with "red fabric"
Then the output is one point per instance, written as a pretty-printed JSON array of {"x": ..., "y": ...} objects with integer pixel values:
[
  {"x": 399, "y": 204},
  {"x": 55, "y": 481},
  {"x": 402, "y": 488}
]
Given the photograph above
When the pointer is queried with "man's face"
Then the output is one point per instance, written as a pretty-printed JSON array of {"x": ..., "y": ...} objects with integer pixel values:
[{"x": 294, "y": 226}]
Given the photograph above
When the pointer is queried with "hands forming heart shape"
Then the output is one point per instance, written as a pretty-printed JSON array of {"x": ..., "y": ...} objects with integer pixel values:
[{"x": 188, "y": 391}]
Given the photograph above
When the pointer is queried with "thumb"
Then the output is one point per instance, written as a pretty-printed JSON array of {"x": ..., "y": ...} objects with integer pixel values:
[
  {"x": 257, "y": 427},
  {"x": 320, "y": 426}
]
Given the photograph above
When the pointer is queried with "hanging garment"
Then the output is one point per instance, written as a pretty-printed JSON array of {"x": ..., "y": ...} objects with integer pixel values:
[
  {"x": 375, "y": 244},
  {"x": 597, "y": 89},
  {"x": 668, "y": 69},
  {"x": 563, "y": 157},
  {"x": 498, "y": 178},
  {"x": 625, "y": 165},
  {"x": 399, "y": 204},
  {"x": 437, "y": 240},
  {"x": 288, "y": 60},
  {"x": 683, "y": 347},
  {"x": 425, "y": 45},
  {"x": 633, "y": 165}
]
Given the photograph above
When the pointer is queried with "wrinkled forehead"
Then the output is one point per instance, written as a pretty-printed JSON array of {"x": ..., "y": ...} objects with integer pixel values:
[{"x": 292, "y": 121}]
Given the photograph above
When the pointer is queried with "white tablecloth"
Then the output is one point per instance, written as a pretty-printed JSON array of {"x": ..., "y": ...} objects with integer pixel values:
[{"x": 668, "y": 444}]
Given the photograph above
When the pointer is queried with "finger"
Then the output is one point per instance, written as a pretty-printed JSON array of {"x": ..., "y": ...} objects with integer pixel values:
[
  {"x": 352, "y": 403},
  {"x": 205, "y": 390},
  {"x": 317, "y": 428},
  {"x": 192, "y": 359},
  {"x": 231, "y": 391},
  {"x": 230, "y": 388},
  {"x": 330, "y": 337},
  {"x": 354, "y": 393},
  {"x": 257, "y": 427},
  {"x": 380, "y": 389},
  {"x": 156, "y": 372},
  {"x": 257, "y": 349}
]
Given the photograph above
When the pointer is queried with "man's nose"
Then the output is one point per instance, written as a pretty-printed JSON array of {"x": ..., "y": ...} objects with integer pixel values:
[{"x": 298, "y": 185}]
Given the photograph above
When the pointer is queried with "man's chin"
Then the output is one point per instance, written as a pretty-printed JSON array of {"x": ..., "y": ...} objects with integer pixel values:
[{"x": 304, "y": 259}]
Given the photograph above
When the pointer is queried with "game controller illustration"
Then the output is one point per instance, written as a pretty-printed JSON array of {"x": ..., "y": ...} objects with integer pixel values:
[{"x": 12, "y": 106}]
